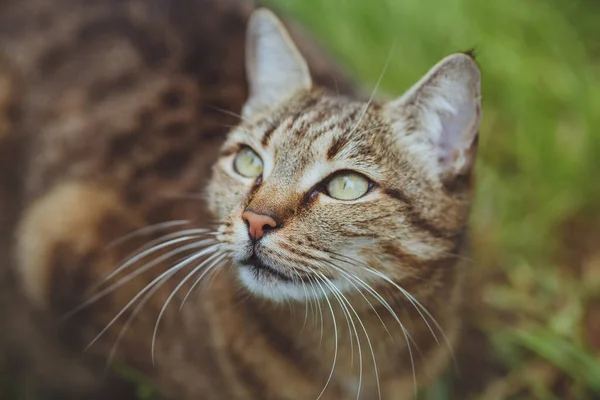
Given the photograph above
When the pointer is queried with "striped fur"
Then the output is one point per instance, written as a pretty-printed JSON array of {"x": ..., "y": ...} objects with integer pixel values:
[
  {"x": 366, "y": 300},
  {"x": 406, "y": 233}
]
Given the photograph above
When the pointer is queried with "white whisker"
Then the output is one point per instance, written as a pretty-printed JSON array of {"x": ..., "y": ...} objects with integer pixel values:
[
  {"x": 305, "y": 301},
  {"x": 145, "y": 231},
  {"x": 190, "y": 259},
  {"x": 133, "y": 259},
  {"x": 418, "y": 306},
  {"x": 91, "y": 300},
  {"x": 168, "y": 273},
  {"x": 342, "y": 302},
  {"x": 349, "y": 278},
  {"x": 214, "y": 274},
  {"x": 385, "y": 67},
  {"x": 406, "y": 334},
  {"x": 209, "y": 268},
  {"x": 133, "y": 314},
  {"x": 227, "y": 112},
  {"x": 349, "y": 321},
  {"x": 336, "y": 339},
  {"x": 318, "y": 303},
  {"x": 365, "y": 331}
]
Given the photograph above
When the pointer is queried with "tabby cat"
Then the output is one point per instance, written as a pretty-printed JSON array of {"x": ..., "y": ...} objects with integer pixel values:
[{"x": 321, "y": 260}]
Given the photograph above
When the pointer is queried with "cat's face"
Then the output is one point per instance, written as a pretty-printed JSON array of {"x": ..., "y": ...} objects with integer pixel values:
[{"x": 314, "y": 188}]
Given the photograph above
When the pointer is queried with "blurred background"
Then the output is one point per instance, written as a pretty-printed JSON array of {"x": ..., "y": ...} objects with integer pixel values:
[{"x": 534, "y": 313}]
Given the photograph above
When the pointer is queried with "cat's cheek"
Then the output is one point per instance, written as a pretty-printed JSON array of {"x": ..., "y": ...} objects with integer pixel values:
[
  {"x": 211, "y": 200},
  {"x": 222, "y": 195}
]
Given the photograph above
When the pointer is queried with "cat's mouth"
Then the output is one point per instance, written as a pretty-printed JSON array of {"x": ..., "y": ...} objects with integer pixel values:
[
  {"x": 261, "y": 270},
  {"x": 271, "y": 280}
]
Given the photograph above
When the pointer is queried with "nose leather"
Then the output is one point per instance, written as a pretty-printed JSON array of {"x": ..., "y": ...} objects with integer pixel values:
[{"x": 258, "y": 224}]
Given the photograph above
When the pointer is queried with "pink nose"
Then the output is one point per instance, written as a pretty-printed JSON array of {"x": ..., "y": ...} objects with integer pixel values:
[{"x": 258, "y": 224}]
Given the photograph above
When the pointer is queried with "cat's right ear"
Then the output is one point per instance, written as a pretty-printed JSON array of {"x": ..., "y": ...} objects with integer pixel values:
[
  {"x": 275, "y": 68},
  {"x": 438, "y": 118}
]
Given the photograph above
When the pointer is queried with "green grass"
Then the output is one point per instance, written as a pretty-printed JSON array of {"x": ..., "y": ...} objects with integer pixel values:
[
  {"x": 145, "y": 388},
  {"x": 537, "y": 207}
]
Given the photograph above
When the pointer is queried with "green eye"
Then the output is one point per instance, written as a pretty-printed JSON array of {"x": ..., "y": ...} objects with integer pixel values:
[
  {"x": 348, "y": 186},
  {"x": 247, "y": 163}
]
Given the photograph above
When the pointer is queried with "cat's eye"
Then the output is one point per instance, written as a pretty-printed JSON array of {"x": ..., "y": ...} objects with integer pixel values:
[
  {"x": 348, "y": 185},
  {"x": 247, "y": 163}
]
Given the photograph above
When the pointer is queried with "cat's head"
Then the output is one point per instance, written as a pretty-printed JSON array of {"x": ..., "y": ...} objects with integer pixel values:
[{"x": 312, "y": 187}]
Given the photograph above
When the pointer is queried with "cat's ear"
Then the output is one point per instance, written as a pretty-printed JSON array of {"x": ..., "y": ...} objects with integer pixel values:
[
  {"x": 275, "y": 68},
  {"x": 438, "y": 118}
]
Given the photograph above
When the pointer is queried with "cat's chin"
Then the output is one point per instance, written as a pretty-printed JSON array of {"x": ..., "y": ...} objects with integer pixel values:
[
  {"x": 277, "y": 287},
  {"x": 270, "y": 284}
]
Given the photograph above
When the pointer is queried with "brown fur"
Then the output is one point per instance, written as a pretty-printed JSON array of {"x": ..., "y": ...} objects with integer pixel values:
[{"x": 123, "y": 109}]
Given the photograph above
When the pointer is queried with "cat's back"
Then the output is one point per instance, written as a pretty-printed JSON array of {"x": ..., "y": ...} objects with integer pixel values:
[
  {"x": 113, "y": 88},
  {"x": 110, "y": 110}
]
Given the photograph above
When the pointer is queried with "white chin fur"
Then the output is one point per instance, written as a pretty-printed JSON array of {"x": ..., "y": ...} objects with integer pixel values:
[
  {"x": 273, "y": 289},
  {"x": 277, "y": 290}
]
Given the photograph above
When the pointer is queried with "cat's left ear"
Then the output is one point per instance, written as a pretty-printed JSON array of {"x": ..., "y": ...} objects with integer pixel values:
[
  {"x": 438, "y": 118},
  {"x": 275, "y": 68}
]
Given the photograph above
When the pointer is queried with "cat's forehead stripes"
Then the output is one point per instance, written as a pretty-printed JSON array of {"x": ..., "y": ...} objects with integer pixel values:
[
  {"x": 303, "y": 107},
  {"x": 308, "y": 145},
  {"x": 308, "y": 140},
  {"x": 306, "y": 119}
]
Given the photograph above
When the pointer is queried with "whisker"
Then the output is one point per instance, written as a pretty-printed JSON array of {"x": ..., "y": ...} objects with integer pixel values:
[
  {"x": 365, "y": 330},
  {"x": 214, "y": 274},
  {"x": 346, "y": 317},
  {"x": 313, "y": 306},
  {"x": 369, "y": 289},
  {"x": 437, "y": 325},
  {"x": 406, "y": 334},
  {"x": 349, "y": 278},
  {"x": 457, "y": 256},
  {"x": 147, "y": 230},
  {"x": 132, "y": 259},
  {"x": 168, "y": 273},
  {"x": 209, "y": 268},
  {"x": 285, "y": 257},
  {"x": 349, "y": 321},
  {"x": 335, "y": 353},
  {"x": 185, "y": 196},
  {"x": 371, "y": 129},
  {"x": 91, "y": 300},
  {"x": 317, "y": 302},
  {"x": 194, "y": 257},
  {"x": 305, "y": 301},
  {"x": 342, "y": 302},
  {"x": 337, "y": 89},
  {"x": 351, "y": 262},
  {"x": 159, "y": 241},
  {"x": 133, "y": 314},
  {"x": 172, "y": 235},
  {"x": 385, "y": 67},
  {"x": 227, "y": 112},
  {"x": 418, "y": 306}
]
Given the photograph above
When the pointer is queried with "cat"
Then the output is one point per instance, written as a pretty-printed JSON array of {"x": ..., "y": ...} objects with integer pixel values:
[{"x": 311, "y": 252}]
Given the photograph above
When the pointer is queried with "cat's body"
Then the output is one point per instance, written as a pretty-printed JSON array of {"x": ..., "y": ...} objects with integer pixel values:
[{"x": 123, "y": 107}]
